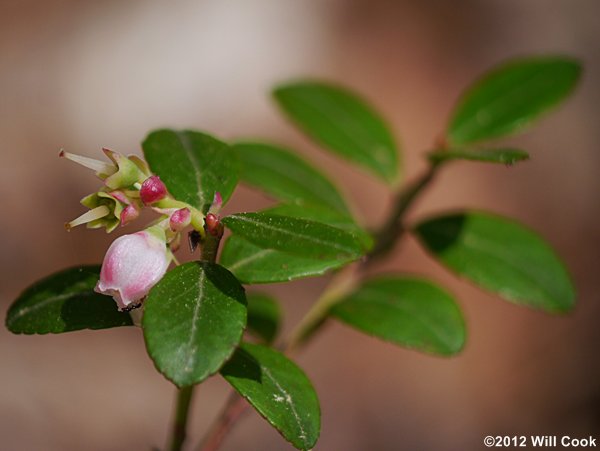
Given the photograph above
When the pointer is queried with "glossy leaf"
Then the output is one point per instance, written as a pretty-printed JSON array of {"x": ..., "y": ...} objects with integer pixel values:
[
  {"x": 325, "y": 216},
  {"x": 279, "y": 390},
  {"x": 512, "y": 96},
  {"x": 410, "y": 312},
  {"x": 264, "y": 316},
  {"x": 192, "y": 165},
  {"x": 193, "y": 320},
  {"x": 295, "y": 236},
  {"x": 64, "y": 302},
  {"x": 502, "y": 256},
  {"x": 343, "y": 123},
  {"x": 255, "y": 264},
  {"x": 502, "y": 156},
  {"x": 287, "y": 177}
]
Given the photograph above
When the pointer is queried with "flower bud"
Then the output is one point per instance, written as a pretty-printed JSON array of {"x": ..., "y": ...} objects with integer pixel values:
[
  {"x": 180, "y": 219},
  {"x": 213, "y": 225},
  {"x": 129, "y": 213},
  {"x": 131, "y": 207},
  {"x": 132, "y": 265},
  {"x": 217, "y": 203},
  {"x": 152, "y": 190}
]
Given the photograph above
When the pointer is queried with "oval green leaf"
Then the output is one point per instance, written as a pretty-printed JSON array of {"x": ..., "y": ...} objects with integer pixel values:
[
  {"x": 295, "y": 236},
  {"x": 264, "y": 316},
  {"x": 410, "y": 312},
  {"x": 255, "y": 264},
  {"x": 325, "y": 216},
  {"x": 343, "y": 123},
  {"x": 193, "y": 320},
  {"x": 512, "y": 96},
  {"x": 279, "y": 390},
  {"x": 192, "y": 165},
  {"x": 501, "y": 256},
  {"x": 64, "y": 302},
  {"x": 501, "y": 156},
  {"x": 287, "y": 177}
]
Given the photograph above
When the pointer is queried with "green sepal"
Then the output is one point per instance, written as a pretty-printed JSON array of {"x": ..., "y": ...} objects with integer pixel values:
[
  {"x": 113, "y": 219},
  {"x": 127, "y": 175}
]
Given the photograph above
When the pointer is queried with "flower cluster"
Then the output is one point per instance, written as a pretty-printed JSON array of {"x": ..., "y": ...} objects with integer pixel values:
[{"x": 134, "y": 263}]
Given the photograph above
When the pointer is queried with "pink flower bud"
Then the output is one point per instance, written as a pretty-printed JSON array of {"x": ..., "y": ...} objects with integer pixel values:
[
  {"x": 152, "y": 190},
  {"x": 213, "y": 225},
  {"x": 121, "y": 197},
  {"x": 217, "y": 203},
  {"x": 132, "y": 265},
  {"x": 180, "y": 219},
  {"x": 129, "y": 213}
]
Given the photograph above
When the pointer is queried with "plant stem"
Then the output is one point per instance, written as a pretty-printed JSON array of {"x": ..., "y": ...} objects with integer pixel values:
[
  {"x": 342, "y": 283},
  {"x": 182, "y": 408},
  {"x": 235, "y": 406},
  {"x": 210, "y": 248},
  {"x": 385, "y": 238},
  {"x": 391, "y": 230}
]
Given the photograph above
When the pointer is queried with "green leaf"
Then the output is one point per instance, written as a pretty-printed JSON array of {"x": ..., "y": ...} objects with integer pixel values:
[
  {"x": 410, "y": 312},
  {"x": 63, "y": 302},
  {"x": 512, "y": 96},
  {"x": 252, "y": 263},
  {"x": 295, "y": 236},
  {"x": 255, "y": 264},
  {"x": 192, "y": 165},
  {"x": 502, "y": 156},
  {"x": 278, "y": 390},
  {"x": 502, "y": 256},
  {"x": 342, "y": 122},
  {"x": 325, "y": 216},
  {"x": 286, "y": 176},
  {"x": 193, "y": 320},
  {"x": 264, "y": 316}
]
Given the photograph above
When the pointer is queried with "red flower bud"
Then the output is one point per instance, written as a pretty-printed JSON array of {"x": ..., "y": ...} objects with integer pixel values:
[
  {"x": 180, "y": 219},
  {"x": 152, "y": 190},
  {"x": 213, "y": 225}
]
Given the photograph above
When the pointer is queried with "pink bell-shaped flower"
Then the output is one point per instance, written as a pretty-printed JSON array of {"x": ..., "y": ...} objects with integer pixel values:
[{"x": 132, "y": 265}]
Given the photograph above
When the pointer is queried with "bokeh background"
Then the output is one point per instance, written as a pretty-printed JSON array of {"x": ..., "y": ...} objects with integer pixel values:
[{"x": 86, "y": 74}]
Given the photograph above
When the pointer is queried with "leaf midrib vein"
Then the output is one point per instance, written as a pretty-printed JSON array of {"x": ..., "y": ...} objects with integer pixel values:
[
  {"x": 32, "y": 308},
  {"x": 478, "y": 244},
  {"x": 288, "y": 400},
  {"x": 192, "y": 351},
  {"x": 287, "y": 232},
  {"x": 185, "y": 145}
]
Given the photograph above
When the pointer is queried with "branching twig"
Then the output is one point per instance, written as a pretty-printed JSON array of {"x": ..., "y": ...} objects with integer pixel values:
[
  {"x": 235, "y": 406},
  {"x": 341, "y": 284}
]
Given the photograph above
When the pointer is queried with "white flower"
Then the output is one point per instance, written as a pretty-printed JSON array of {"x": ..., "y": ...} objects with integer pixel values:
[{"x": 132, "y": 265}]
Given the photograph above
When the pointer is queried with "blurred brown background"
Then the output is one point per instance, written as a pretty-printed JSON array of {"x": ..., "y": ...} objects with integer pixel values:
[{"x": 83, "y": 74}]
